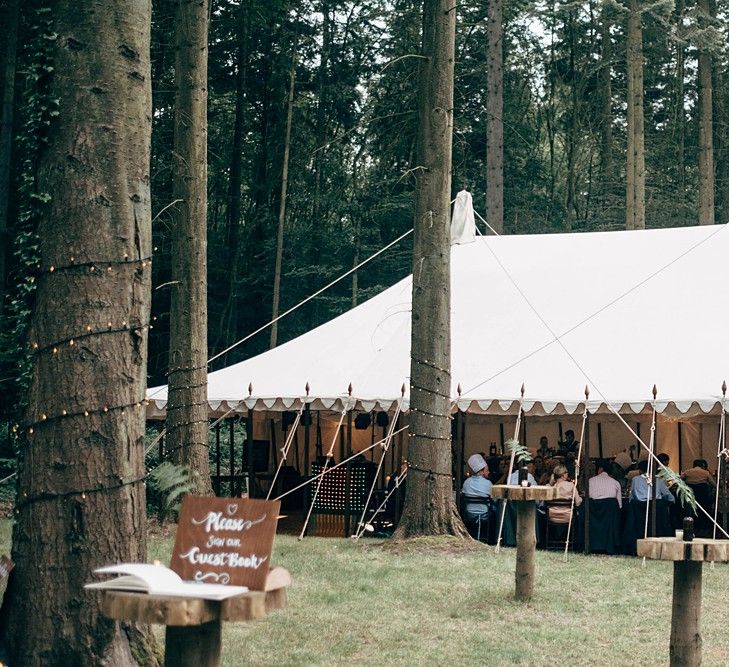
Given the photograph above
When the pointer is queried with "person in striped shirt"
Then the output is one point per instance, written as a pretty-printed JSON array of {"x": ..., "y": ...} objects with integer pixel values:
[{"x": 603, "y": 486}]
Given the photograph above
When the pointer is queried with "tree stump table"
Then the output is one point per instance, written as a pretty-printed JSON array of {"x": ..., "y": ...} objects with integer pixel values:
[
  {"x": 688, "y": 558},
  {"x": 193, "y": 634},
  {"x": 526, "y": 498}
]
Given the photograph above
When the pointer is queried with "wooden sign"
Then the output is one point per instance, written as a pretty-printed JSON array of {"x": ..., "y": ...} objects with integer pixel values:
[{"x": 225, "y": 540}]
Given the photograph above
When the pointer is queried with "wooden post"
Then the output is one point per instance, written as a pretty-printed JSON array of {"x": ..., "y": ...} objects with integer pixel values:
[
  {"x": 193, "y": 646},
  {"x": 525, "y": 498},
  {"x": 686, "y": 642},
  {"x": 249, "y": 445},
  {"x": 526, "y": 545}
]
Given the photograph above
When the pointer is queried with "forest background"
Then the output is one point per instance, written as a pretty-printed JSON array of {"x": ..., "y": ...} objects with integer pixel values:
[{"x": 329, "y": 88}]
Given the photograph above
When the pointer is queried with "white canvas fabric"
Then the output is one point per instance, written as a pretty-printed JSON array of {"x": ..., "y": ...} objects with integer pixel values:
[
  {"x": 463, "y": 222},
  {"x": 632, "y": 309}
]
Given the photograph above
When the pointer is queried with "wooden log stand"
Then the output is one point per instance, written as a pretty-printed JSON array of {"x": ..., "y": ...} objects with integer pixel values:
[
  {"x": 688, "y": 558},
  {"x": 526, "y": 538},
  {"x": 193, "y": 635}
]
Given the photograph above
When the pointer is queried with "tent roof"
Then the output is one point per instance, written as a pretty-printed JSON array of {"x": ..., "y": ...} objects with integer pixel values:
[{"x": 631, "y": 309}]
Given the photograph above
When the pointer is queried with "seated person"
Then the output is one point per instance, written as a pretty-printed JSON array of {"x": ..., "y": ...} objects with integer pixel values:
[
  {"x": 640, "y": 489},
  {"x": 514, "y": 479},
  {"x": 603, "y": 486},
  {"x": 477, "y": 485},
  {"x": 699, "y": 474},
  {"x": 561, "y": 481}
]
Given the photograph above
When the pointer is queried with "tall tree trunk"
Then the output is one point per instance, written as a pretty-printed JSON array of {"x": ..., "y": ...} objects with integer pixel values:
[
  {"x": 570, "y": 204},
  {"x": 235, "y": 180},
  {"x": 635, "y": 172},
  {"x": 679, "y": 104},
  {"x": 495, "y": 118},
  {"x": 187, "y": 405},
  {"x": 81, "y": 500},
  {"x": 606, "y": 93},
  {"x": 282, "y": 201},
  {"x": 429, "y": 508},
  {"x": 706, "y": 140},
  {"x": 9, "y": 21}
]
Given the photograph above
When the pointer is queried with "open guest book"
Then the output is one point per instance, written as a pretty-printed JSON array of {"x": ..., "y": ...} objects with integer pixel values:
[{"x": 160, "y": 580}]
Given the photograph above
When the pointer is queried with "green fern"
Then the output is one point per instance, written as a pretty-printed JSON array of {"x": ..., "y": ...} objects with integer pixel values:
[
  {"x": 520, "y": 452},
  {"x": 683, "y": 491},
  {"x": 170, "y": 482}
]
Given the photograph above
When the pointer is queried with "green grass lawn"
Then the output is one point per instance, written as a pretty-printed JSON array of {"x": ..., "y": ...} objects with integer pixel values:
[
  {"x": 440, "y": 603},
  {"x": 436, "y": 604}
]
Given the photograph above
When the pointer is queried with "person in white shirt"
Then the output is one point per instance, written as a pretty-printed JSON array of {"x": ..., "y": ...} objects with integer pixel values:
[{"x": 603, "y": 486}]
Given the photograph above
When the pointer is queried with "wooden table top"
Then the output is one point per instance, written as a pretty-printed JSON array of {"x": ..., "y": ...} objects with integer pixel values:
[
  {"x": 516, "y": 492},
  {"x": 166, "y": 610},
  {"x": 669, "y": 548}
]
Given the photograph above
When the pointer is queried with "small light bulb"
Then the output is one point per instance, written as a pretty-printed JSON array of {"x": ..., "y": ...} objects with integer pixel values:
[
  {"x": 64, "y": 413},
  {"x": 35, "y": 346},
  {"x": 92, "y": 269},
  {"x": 71, "y": 343},
  {"x": 44, "y": 417},
  {"x": 106, "y": 409},
  {"x": 86, "y": 413},
  {"x": 51, "y": 269},
  {"x": 83, "y": 496},
  {"x": 88, "y": 327},
  {"x": 30, "y": 430},
  {"x": 55, "y": 350},
  {"x": 109, "y": 269}
]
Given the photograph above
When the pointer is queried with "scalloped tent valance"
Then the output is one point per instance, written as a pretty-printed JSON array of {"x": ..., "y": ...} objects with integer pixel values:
[{"x": 630, "y": 310}]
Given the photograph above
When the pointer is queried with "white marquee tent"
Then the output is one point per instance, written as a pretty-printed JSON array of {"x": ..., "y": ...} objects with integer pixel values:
[
  {"x": 616, "y": 311},
  {"x": 630, "y": 308}
]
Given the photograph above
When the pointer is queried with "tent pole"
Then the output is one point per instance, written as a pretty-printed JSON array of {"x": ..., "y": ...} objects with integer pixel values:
[
  {"x": 501, "y": 437},
  {"x": 653, "y": 487},
  {"x": 585, "y": 480},
  {"x": 383, "y": 455},
  {"x": 372, "y": 438},
  {"x": 249, "y": 444},
  {"x": 599, "y": 439},
  {"x": 459, "y": 447},
  {"x": 349, "y": 434},
  {"x": 680, "y": 447},
  {"x": 307, "y": 438}
]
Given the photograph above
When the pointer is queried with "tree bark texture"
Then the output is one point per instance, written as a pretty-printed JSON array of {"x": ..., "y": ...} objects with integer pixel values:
[
  {"x": 706, "y": 140},
  {"x": 606, "y": 120},
  {"x": 686, "y": 642},
  {"x": 187, "y": 409},
  {"x": 226, "y": 326},
  {"x": 429, "y": 507},
  {"x": 282, "y": 202},
  {"x": 679, "y": 103},
  {"x": 526, "y": 548},
  {"x": 635, "y": 172},
  {"x": 495, "y": 118},
  {"x": 9, "y": 21},
  {"x": 81, "y": 499}
]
